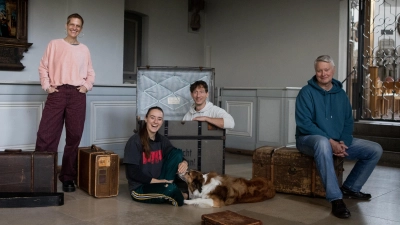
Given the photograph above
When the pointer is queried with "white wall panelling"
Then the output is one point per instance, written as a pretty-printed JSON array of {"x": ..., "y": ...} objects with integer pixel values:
[
  {"x": 112, "y": 121},
  {"x": 269, "y": 120},
  {"x": 241, "y": 104},
  {"x": 291, "y": 123},
  {"x": 110, "y": 116},
  {"x": 276, "y": 116},
  {"x": 243, "y": 110},
  {"x": 272, "y": 122},
  {"x": 19, "y": 123}
]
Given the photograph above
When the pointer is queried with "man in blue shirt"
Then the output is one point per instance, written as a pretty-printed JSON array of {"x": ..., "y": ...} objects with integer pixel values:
[{"x": 324, "y": 127}]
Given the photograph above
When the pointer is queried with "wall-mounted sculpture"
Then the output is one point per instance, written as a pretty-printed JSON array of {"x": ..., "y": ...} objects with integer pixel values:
[{"x": 195, "y": 6}]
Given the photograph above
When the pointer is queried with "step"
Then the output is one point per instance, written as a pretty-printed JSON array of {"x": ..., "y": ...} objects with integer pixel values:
[
  {"x": 389, "y": 158},
  {"x": 377, "y": 129},
  {"x": 387, "y": 143},
  {"x": 387, "y": 134}
]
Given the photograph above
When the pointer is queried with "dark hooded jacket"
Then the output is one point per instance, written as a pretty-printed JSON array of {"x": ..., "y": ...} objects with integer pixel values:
[{"x": 326, "y": 113}]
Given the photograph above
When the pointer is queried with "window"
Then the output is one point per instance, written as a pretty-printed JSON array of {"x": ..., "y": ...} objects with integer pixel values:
[
  {"x": 132, "y": 45},
  {"x": 377, "y": 84}
]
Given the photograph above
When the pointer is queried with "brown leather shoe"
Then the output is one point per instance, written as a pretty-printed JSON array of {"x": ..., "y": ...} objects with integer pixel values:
[{"x": 339, "y": 209}]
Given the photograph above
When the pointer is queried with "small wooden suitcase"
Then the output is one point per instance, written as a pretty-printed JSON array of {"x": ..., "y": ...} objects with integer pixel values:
[
  {"x": 28, "y": 171},
  {"x": 228, "y": 218},
  {"x": 291, "y": 171},
  {"x": 98, "y": 171}
]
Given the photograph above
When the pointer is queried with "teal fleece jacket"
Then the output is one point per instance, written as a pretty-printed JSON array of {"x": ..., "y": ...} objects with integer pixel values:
[{"x": 325, "y": 113}]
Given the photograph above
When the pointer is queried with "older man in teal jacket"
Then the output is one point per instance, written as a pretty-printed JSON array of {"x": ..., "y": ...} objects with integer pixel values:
[{"x": 324, "y": 127}]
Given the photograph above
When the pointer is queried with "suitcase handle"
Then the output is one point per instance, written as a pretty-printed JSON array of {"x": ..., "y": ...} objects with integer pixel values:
[
  {"x": 95, "y": 148},
  {"x": 276, "y": 149},
  {"x": 13, "y": 150}
]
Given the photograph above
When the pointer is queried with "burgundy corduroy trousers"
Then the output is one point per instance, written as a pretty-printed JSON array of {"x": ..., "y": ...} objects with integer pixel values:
[{"x": 67, "y": 105}]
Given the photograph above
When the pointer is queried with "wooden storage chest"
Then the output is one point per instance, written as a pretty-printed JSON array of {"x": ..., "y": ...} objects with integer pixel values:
[{"x": 291, "y": 171}]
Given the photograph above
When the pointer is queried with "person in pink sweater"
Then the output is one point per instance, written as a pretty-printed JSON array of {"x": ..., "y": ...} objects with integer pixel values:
[{"x": 66, "y": 74}]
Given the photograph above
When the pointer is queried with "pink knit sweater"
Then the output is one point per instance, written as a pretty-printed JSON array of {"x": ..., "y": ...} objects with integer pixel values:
[{"x": 63, "y": 63}]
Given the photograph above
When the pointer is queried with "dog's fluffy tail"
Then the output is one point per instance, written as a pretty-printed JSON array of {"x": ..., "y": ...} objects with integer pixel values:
[
  {"x": 270, "y": 193},
  {"x": 260, "y": 189}
]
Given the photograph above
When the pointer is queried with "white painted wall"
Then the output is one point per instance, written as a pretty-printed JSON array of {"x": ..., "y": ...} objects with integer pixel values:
[
  {"x": 254, "y": 43},
  {"x": 103, "y": 34},
  {"x": 169, "y": 42},
  {"x": 258, "y": 43}
]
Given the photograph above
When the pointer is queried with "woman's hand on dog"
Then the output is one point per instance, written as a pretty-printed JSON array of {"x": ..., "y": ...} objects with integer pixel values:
[{"x": 182, "y": 167}]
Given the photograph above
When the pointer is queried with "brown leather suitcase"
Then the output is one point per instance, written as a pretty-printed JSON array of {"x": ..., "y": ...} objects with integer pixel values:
[
  {"x": 28, "y": 171},
  {"x": 98, "y": 171},
  {"x": 291, "y": 171},
  {"x": 228, "y": 218}
]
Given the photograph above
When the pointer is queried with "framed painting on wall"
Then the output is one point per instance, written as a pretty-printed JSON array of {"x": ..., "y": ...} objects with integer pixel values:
[{"x": 13, "y": 33}]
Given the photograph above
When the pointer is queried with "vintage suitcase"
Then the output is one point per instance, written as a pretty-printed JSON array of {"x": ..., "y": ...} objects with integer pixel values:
[
  {"x": 169, "y": 88},
  {"x": 28, "y": 171},
  {"x": 228, "y": 218},
  {"x": 98, "y": 171},
  {"x": 203, "y": 145},
  {"x": 291, "y": 171}
]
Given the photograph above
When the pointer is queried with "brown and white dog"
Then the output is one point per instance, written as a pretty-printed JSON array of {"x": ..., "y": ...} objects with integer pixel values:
[{"x": 213, "y": 190}]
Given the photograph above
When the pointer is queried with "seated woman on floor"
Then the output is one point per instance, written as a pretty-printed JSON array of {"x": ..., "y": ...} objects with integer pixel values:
[{"x": 151, "y": 163}]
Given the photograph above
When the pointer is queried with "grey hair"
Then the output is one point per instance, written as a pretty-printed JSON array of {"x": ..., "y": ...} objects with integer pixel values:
[{"x": 324, "y": 58}]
